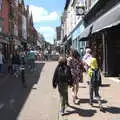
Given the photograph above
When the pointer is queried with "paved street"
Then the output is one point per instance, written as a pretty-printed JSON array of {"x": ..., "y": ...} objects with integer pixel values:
[
  {"x": 41, "y": 102},
  {"x": 37, "y": 102},
  {"x": 110, "y": 102}
]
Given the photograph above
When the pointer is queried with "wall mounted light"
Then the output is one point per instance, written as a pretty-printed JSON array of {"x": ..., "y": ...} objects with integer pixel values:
[{"x": 80, "y": 10}]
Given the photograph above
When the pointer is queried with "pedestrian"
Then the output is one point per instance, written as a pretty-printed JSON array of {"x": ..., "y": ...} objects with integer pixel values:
[
  {"x": 95, "y": 79},
  {"x": 1, "y": 61},
  {"x": 10, "y": 69},
  {"x": 86, "y": 58},
  {"x": 31, "y": 59},
  {"x": 76, "y": 66},
  {"x": 16, "y": 63},
  {"x": 46, "y": 54},
  {"x": 62, "y": 78},
  {"x": 22, "y": 68}
]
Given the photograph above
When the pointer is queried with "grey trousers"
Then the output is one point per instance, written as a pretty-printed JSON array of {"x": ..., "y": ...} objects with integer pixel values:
[
  {"x": 63, "y": 91},
  {"x": 93, "y": 90}
]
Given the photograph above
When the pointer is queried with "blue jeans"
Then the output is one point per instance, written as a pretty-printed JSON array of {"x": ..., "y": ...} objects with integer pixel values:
[{"x": 0, "y": 68}]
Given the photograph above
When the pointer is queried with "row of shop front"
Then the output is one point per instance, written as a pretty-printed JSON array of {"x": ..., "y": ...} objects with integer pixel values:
[
  {"x": 102, "y": 35},
  {"x": 8, "y": 45}
]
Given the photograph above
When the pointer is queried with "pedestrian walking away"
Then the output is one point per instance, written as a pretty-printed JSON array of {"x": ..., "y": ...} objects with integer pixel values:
[{"x": 62, "y": 78}]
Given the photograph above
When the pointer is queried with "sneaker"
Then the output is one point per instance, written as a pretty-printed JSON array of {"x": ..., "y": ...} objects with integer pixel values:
[
  {"x": 62, "y": 111},
  {"x": 91, "y": 103},
  {"x": 97, "y": 98}
]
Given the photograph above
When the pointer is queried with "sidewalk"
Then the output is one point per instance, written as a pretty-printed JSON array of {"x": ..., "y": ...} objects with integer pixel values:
[
  {"x": 83, "y": 111},
  {"x": 43, "y": 101}
]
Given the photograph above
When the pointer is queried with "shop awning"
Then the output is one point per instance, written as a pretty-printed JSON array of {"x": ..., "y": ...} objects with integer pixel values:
[
  {"x": 86, "y": 32},
  {"x": 109, "y": 19}
]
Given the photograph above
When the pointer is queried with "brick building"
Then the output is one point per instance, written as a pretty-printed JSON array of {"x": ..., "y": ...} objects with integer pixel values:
[
  {"x": 16, "y": 26},
  {"x": 4, "y": 26}
]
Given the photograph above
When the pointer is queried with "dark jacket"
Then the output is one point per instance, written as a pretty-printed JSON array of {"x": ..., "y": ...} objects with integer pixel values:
[
  {"x": 62, "y": 75},
  {"x": 16, "y": 59}
]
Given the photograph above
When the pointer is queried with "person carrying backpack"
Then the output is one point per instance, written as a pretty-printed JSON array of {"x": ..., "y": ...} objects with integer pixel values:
[
  {"x": 62, "y": 78},
  {"x": 95, "y": 79}
]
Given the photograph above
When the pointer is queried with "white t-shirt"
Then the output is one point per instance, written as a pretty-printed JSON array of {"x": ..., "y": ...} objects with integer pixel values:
[{"x": 87, "y": 59}]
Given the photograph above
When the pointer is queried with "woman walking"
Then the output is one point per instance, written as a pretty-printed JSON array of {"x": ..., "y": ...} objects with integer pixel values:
[{"x": 76, "y": 66}]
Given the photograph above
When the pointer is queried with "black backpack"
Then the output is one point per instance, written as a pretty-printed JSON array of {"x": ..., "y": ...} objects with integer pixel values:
[{"x": 96, "y": 78}]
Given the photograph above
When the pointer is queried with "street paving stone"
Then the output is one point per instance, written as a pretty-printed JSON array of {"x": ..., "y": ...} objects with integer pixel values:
[{"x": 42, "y": 102}]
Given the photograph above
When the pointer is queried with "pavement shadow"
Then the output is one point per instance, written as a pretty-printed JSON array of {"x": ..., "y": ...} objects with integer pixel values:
[
  {"x": 113, "y": 110},
  {"x": 105, "y": 85},
  {"x": 81, "y": 112},
  {"x": 82, "y": 87},
  {"x": 14, "y": 95},
  {"x": 35, "y": 75},
  {"x": 86, "y": 100},
  {"x": 82, "y": 100},
  {"x": 102, "y": 101}
]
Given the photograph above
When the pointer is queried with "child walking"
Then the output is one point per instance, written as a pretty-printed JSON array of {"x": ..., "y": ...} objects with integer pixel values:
[{"x": 62, "y": 78}]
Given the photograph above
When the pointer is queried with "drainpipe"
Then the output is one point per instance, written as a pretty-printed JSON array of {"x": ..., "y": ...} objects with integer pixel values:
[{"x": 105, "y": 55}]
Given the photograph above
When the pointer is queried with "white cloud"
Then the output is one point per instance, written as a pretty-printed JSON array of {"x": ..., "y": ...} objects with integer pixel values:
[
  {"x": 41, "y": 14},
  {"x": 49, "y": 38},
  {"x": 48, "y": 32},
  {"x": 47, "y": 29}
]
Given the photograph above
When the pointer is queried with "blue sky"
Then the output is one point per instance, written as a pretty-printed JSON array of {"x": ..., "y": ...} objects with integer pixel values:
[{"x": 46, "y": 16}]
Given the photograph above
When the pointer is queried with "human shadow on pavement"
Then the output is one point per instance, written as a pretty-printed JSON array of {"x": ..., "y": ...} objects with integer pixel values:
[
  {"x": 80, "y": 112},
  {"x": 82, "y": 87},
  {"x": 86, "y": 100},
  {"x": 105, "y": 85},
  {"x": 14, "y": 95},
  {"x": 113, "y": 110},
  {"x": 102, "y": 101},
  {"x": 82, "y": 100}
]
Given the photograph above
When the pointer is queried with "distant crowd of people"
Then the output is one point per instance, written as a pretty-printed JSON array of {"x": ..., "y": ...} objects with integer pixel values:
[{"x": 69, "y": 72}]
